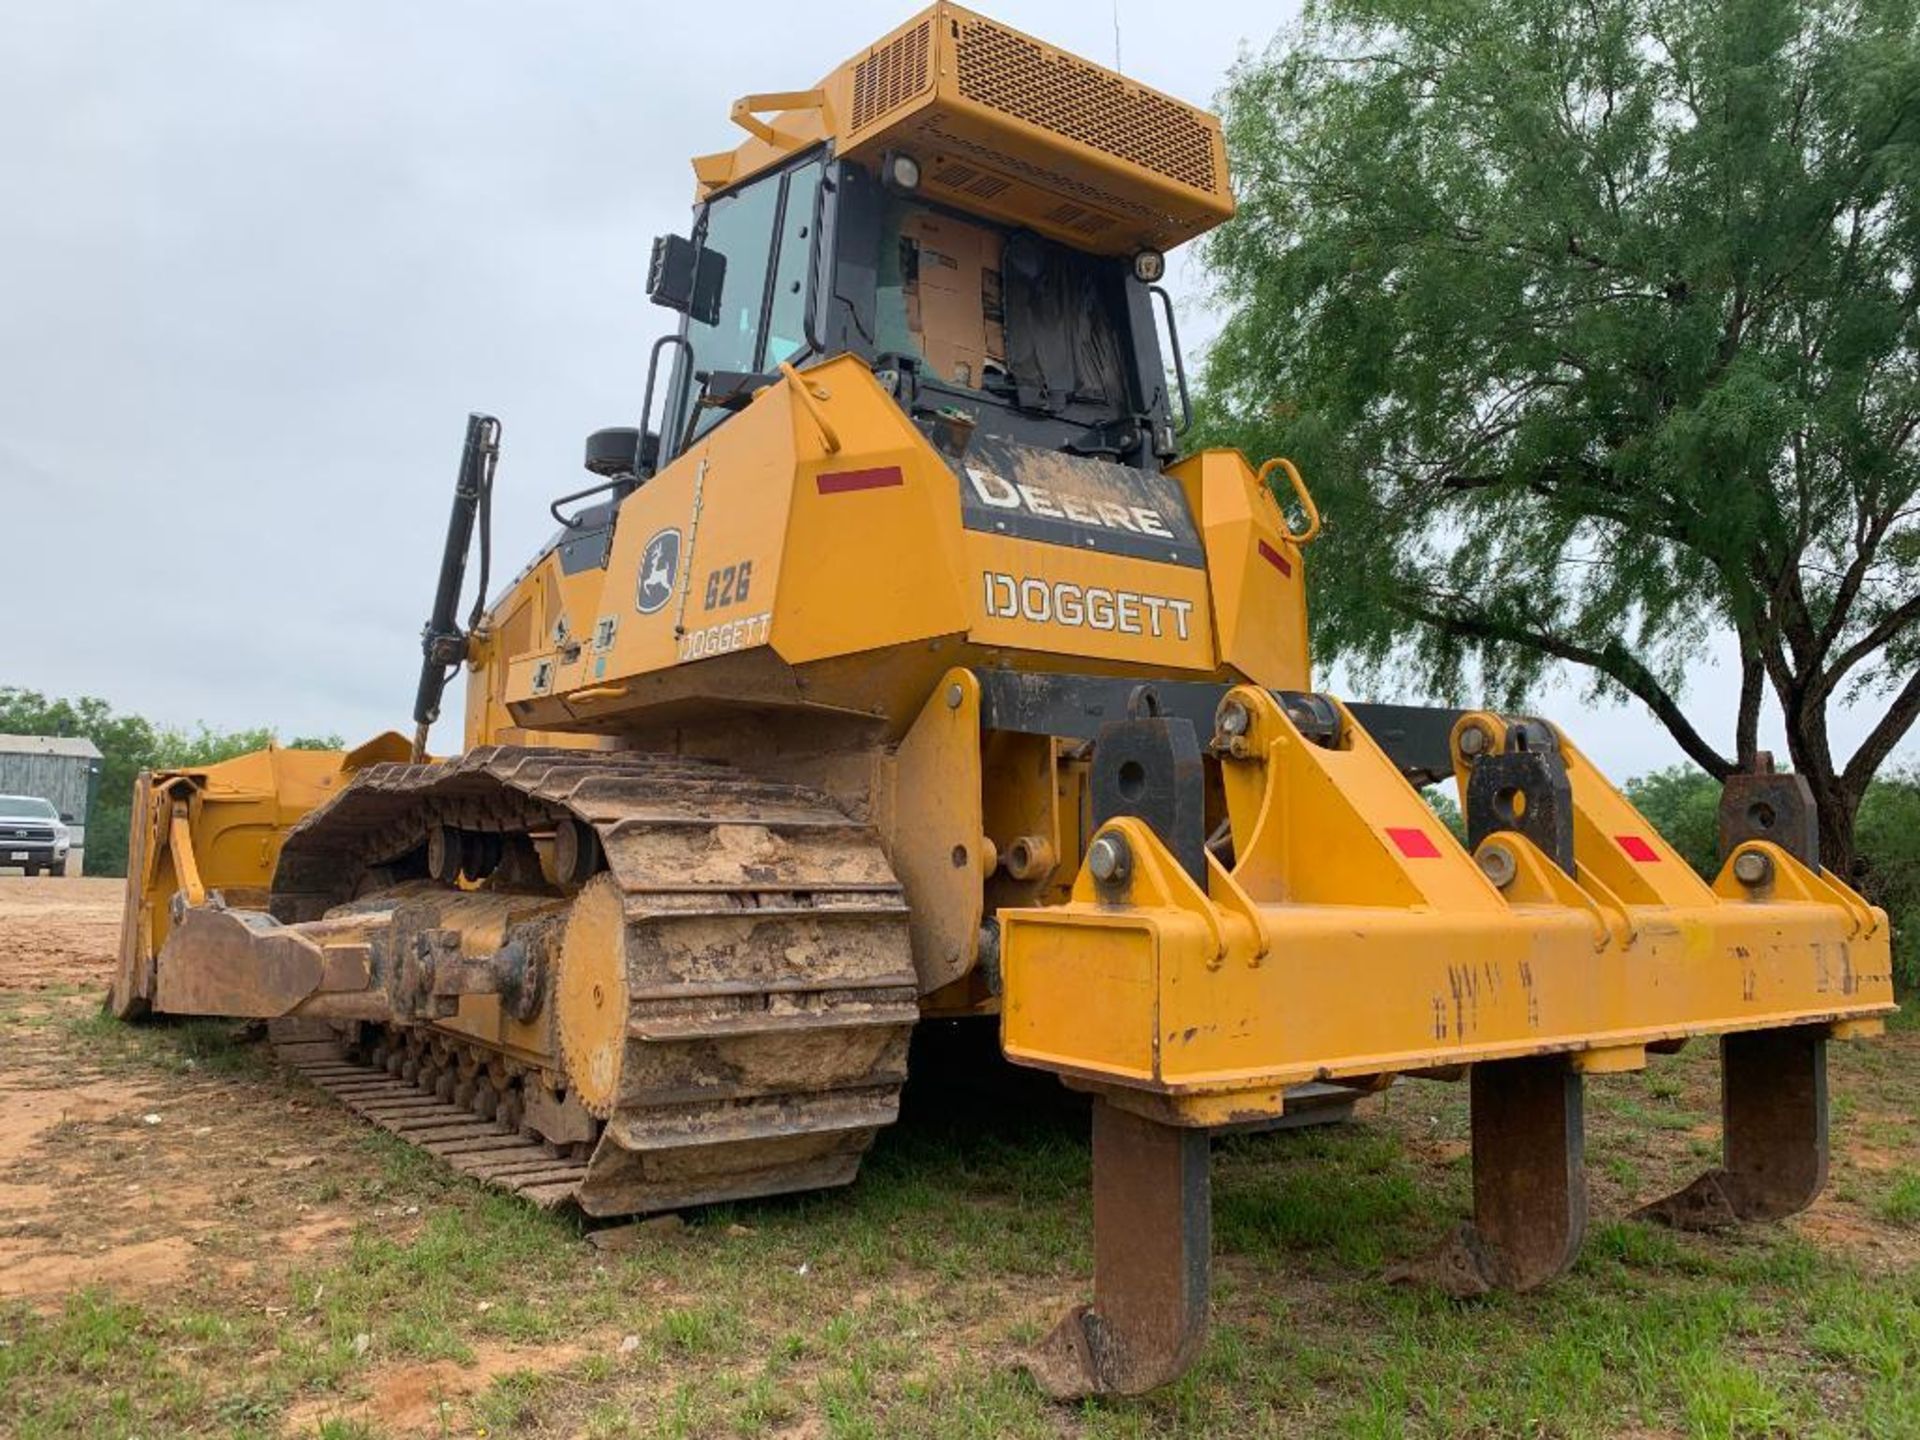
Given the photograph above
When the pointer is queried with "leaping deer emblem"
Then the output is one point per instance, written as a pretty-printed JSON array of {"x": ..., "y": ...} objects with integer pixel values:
[{"x": 658, "y": 564}]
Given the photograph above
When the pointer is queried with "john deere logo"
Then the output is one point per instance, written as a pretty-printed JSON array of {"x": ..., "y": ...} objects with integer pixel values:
[{"x": 659, "y": 564}]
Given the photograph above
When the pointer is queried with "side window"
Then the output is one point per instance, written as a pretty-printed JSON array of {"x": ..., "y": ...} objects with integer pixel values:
[
  {"x": 742, "y": 226},
  {"x": 787, "y": 318}
]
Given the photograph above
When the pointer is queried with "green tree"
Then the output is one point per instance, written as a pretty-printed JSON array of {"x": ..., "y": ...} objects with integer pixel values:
[
  {"x": 128, "y": 744},
  {"x": 1889, "y": 834},
  {"x": 1683, "y": 804},
  {"x": 1595, "y": 330}
]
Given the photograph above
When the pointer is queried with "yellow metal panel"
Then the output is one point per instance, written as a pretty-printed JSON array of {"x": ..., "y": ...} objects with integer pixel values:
[
  {"x": 929, "y": 821},
  {"x": 1037, "y": 597},
  {"x": 1355, "y": 937},
  {"x": 1007, "y": 127},
  {"x": 1079, "y": 1005},
  {"x": 725, "y": 503},
  {"x": 1339, "y": 826},
  {"x": 1258, "y": 582},
  {"x": 874, "y": 528}
]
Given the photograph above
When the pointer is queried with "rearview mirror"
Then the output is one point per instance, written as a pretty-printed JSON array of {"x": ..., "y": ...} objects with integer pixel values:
[
  {"x": 66, "y": 817},
  {"x": 685, "y": 278}
]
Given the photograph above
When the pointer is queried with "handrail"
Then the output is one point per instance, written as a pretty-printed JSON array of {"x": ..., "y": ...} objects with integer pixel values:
[
  {"x": 828, "y": 435},
  {"x": 745, "y": 117},
  {"x": 666, "y": 447},
  {"x": 1179, "y": 364},
  {"x": 1308, "y": 535}
]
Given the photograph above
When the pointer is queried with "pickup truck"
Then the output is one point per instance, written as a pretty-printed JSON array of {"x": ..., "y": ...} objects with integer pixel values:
[{"x": 33, "y": 835}]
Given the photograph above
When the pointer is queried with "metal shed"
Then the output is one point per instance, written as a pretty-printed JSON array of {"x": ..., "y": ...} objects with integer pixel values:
[{"x": 61, "y": 768}]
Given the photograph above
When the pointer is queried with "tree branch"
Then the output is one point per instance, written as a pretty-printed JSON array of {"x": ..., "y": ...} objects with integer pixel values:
[
  {"x": 1889, "y": 626},
  {"x": 1893, "y": 726},
  {"x": 1612, "y": 660}
]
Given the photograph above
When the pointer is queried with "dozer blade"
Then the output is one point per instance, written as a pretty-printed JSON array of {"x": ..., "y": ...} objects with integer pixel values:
[
  {"x": 216, "y": 831},
  {"x": 1343, "y": 935}
]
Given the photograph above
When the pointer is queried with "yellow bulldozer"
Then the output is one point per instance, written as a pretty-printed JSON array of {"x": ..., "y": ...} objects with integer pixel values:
[{"x": 899, "y": 664}]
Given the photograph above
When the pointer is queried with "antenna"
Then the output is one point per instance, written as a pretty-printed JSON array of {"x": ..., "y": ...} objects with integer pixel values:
[{"x": 1116, "y": 37}]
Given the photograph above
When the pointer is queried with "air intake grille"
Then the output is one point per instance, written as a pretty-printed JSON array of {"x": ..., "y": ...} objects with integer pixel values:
[
  {"x": 956, "y": 176},
  {"x": 1018, "y": 77},
  {"x": 891, "y": 75}
]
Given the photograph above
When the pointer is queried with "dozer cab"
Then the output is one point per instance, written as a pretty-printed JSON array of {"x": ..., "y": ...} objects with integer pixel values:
[{"x": 899, "y": 664}]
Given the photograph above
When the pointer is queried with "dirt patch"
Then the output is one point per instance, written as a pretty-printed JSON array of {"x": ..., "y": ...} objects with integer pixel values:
[
  {"x": 1836, "y": 1225},
  {"x": 141, "y": 1181},
  {"x": 58, "y": 933},
  {"x": 28, "y": 1271},
  {"x": 27, "y": 1115},
  {"x": 427, "y": 1398}
]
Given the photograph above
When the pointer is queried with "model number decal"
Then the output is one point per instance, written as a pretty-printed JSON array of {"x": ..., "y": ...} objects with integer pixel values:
[
  {"x": 729, "y": 586},
  {"x": 1091, "y": 607}
]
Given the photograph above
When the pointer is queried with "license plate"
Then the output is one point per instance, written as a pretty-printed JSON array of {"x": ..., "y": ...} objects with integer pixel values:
[{"x": 18, "y": 855}]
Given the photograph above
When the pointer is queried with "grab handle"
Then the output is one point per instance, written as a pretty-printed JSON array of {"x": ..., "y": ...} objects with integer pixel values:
[
  {"x": 1308, "y": 535},
  {"x": 828, "y": 436}
]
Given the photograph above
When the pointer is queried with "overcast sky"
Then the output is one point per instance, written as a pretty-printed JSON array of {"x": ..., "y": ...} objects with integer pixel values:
[{"x": 258, "y": 260}]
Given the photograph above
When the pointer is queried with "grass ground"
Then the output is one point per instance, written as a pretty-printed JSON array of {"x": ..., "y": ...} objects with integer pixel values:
[{"x": 343, "y": 1286}]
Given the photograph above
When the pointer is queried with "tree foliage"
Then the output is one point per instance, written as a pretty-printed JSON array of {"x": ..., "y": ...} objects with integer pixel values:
[
  {"x": 1596, "y": 329},
  {"x": 1683, "y": 804},
  {"x": 129, "y": 744}
]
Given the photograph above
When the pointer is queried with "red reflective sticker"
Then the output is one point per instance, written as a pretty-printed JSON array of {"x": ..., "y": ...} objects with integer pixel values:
[
  {"x": 1637, "y": 849},
  {"x": 839, "y": 482},
  {"x": 1274, "y": 558},
  {"x": 1414, "y": 844}
]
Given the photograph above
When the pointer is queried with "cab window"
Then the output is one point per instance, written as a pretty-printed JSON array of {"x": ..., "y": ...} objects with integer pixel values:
[
  {"x": 765, "y": 231},
  {"x": 1005, "y": 313}
]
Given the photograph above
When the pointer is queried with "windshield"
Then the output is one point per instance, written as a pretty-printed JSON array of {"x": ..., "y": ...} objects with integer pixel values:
[
  {"x": 1007, "y": 314},
  {"x": 26, "y": 807}
]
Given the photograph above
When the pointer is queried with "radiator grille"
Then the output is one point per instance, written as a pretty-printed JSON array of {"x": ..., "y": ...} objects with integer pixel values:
[
  {"x": 1019, "y": 77},
  {"x": 891, "y": 75}
]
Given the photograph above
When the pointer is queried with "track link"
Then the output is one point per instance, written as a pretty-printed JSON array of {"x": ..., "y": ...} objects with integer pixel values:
[
  {"x": 731, "y": 1002},
  {"x": 519, "y": 1163}
]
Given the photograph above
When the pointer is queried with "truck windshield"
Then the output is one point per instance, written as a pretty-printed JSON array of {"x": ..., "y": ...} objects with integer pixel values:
[
  {"x": 1005, "y": 313},
  {"x": 26, "y": 807}
]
